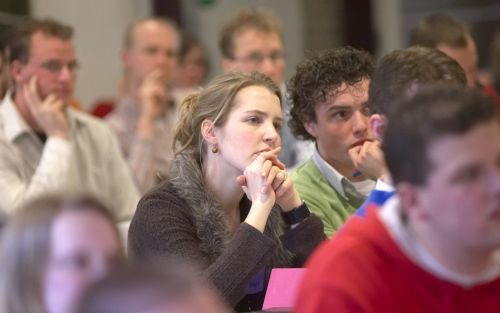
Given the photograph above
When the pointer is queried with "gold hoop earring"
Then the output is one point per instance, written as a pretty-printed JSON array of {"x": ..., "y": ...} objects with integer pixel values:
[{"x": 215, "y": 149}]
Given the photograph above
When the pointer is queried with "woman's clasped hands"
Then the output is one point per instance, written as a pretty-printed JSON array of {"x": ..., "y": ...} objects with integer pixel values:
[{"x": 266, "y": 180}]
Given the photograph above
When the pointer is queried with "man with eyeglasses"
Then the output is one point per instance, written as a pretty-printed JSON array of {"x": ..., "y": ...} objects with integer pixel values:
[
  {"x": 251, "y": 41},
  {"x": 146, "y": 112},
  {"x": 45, "y": 145}
]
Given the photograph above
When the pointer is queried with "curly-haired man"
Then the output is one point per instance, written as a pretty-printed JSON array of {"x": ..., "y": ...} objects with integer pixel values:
[{"x": 329, "y": 95}]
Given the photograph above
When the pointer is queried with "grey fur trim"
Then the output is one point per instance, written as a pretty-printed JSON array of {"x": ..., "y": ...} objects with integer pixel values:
[{"x": 187, "y": 180}]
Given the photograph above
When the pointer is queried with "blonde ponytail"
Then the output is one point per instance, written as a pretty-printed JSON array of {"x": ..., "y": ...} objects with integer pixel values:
[{"x": 185, "y": 133}]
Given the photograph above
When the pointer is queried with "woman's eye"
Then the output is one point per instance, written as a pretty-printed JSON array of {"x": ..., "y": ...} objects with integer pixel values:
[
  {"x": 253, "y": 120},
  {"x": 277, "y": 126}
]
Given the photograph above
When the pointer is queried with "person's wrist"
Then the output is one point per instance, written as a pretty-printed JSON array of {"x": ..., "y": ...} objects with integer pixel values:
[
  {"x": 291, "y": 203},
  {"x": 296, "y": 215},
  {"x": 58, "y": 133},
  {"x": 61, "y": 135}
]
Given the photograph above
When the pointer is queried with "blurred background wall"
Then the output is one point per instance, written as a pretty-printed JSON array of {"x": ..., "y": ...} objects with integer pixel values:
[{"x": 378, "y": 26}]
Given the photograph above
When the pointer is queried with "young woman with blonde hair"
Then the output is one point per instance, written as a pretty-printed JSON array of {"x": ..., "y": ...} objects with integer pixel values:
[{"x": 229, "y": 205}]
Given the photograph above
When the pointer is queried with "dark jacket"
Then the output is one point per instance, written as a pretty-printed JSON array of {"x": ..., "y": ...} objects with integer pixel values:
[{"x": 181, "y": 219}]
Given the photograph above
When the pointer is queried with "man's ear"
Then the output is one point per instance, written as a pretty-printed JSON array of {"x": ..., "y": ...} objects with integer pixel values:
[
  {"x": 311, "y": 128},
  {"x": 412, "y": 202},
  {"x": 16, "y": 71},
  {"x": 377, "y": 125},
  {"x": 208, "y": 132}
]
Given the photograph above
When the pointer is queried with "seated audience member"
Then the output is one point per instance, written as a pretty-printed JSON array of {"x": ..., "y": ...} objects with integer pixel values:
[
  {"x": 229, "y": 205},
  {"x": 45, "y": 145},
  {"x": 251, "y": 40},
  {"x": 451, "y": 36},
  {"x": 435, "y": 246},
  {"x": 137, "y": 289},
  {"x": 397, "y": 75},
  {"x": 329, "y": 95},
  {"x": 146, "y": 113},
  {"x": 52, "y": 249},
  {"x": 191, "y": 69}
]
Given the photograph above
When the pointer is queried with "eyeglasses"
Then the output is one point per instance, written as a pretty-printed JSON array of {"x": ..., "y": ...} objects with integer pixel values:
[
  {"x": 258, "y": 58},
  {"x": 56, "y": 67},
  {"x": 154, "y": 50}
]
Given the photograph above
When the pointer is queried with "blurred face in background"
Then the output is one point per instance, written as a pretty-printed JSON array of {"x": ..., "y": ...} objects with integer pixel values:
[
  {"x": 83, "y": 247},
  {"x": 53, "y": 62},
  {"x": 259, "y": 51},
  {"x": 153, "y": 47},
  {"x": 192, "y": 69}
]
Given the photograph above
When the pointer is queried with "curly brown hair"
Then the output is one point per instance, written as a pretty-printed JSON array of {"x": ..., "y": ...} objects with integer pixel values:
[{"x": 320, "y": 76}]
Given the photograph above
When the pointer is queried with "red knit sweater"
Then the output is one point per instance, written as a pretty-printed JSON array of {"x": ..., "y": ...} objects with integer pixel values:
[{"x": 363, "y": 270}]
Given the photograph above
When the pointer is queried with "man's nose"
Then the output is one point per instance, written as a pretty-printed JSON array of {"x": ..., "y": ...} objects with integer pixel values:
[
  {"x": 65, "y": 74},
  {"x": 360, "y": 123}
]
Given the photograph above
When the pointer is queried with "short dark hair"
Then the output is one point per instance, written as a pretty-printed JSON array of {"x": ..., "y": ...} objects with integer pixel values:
[
  {"x": 441, "y": 28},
  {"x": 20, "y": 44},
  {"x": 401, "y": 71},
  {"x": 416, "y": 122},
  {"x": 320, "y": 76},
  {"x": 246, "y": 19}
]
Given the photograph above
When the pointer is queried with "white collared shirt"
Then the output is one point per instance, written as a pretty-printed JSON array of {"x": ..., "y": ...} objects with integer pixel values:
[
  {"x": 390, "y": 215},
  {"x": 339, "y": 182},
  {"x": 89, "y": 162}
]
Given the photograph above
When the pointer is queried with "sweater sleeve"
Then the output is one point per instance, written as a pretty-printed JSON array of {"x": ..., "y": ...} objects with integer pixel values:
[
  {"x": 163, "y": 228},
  {"x": 303, "y": 239}
]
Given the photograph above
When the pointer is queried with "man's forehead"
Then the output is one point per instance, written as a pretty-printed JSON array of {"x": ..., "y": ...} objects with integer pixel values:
[
  {"x": 42, "y": 43},
  {"x": 456, "y": 150},
  {"x": 41, "y": 37},
  {"x": 244, "y": 33},
  {"x": 152, "y": 30}
]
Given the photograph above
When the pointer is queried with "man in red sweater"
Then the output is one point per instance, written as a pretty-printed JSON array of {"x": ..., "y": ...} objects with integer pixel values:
[{"x": 435, "y": 246}]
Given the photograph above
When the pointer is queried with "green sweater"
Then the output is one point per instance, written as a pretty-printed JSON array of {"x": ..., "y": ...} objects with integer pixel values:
[{"x": 321, "y": 198}]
